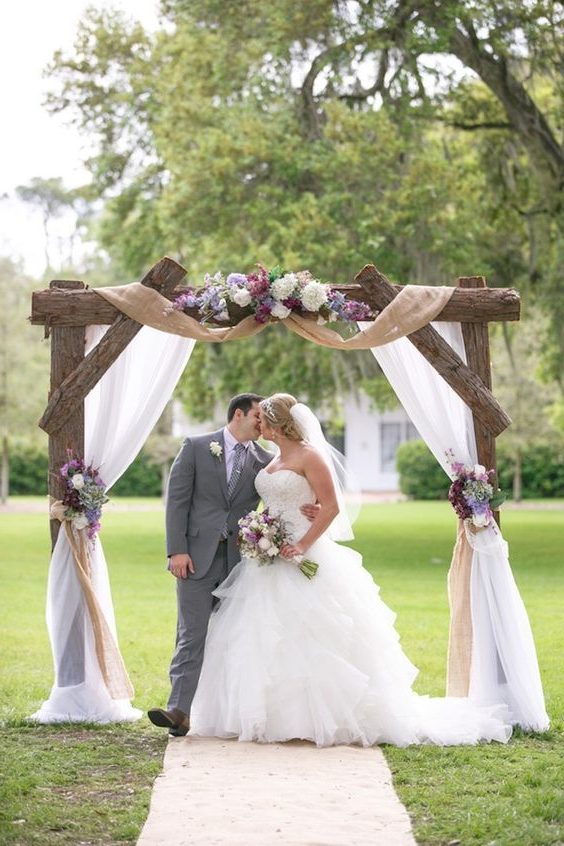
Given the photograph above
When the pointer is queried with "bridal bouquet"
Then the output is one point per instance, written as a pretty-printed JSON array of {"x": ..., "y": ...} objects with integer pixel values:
[
  {"x": 270, "y": 294},
  {"x": 84, "y": 496},
  {"x": 261, "y": 536},
  {"x": 472, "y": 495}
]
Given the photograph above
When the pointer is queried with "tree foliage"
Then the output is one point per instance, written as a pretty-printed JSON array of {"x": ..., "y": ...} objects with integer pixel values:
[
  {"x": 423, "y": 137},
  {"x": 24, "y": 364}
]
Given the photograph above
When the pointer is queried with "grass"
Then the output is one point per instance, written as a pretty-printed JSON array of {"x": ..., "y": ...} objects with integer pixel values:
[{"x": 91, "y": 784}]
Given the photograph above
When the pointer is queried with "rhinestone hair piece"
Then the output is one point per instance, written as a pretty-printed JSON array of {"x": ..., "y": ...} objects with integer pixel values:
[{"x": 268, "y": 407}]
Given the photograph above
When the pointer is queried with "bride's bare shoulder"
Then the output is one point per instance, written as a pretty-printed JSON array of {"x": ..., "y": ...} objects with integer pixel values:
[{"x": 310, "y": 457}]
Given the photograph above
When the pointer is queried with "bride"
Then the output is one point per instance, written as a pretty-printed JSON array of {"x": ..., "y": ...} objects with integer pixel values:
[{"x": 316, "y": 659}]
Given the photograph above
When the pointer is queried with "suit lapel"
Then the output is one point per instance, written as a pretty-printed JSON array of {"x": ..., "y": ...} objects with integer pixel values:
[{"x": 219, "y": 463}]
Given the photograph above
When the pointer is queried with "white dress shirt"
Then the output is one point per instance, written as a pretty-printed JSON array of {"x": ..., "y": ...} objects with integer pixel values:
[{"x": 230, "y": 443}]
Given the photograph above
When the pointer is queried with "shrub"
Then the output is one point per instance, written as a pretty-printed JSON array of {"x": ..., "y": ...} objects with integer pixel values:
[
  {"x": 421, "y": 476},
  {"x": 29, "y": 465},
  {"x": 142, "y": 478},
  {"x": 542, "y": 470},
  {"x": 28, "y": 468}
]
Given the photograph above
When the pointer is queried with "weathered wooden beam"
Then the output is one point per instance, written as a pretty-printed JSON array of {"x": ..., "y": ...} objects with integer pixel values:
[
  {"x": 164, "y": 277},
  {"x": 67, "y": 352},
  {"x": 81, "y": 308},
  {"x": 467, "y": 384},
  {"x": 477, "y": 346}
]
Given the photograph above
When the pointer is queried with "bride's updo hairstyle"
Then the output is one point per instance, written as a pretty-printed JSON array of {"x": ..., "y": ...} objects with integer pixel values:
[{"x": 278, "y": 411}]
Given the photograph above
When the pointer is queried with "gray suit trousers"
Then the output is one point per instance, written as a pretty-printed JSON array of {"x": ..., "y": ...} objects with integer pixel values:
[{"x": 195, "y": 603}]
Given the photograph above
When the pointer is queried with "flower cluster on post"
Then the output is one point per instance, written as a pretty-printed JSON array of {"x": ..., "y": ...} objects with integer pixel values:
[
  {"x": 261, "y": 536},
  {"x": 270, "y": 294},
  {"x": 84, "y": 496},
  {"x": 471, "y": 493}
]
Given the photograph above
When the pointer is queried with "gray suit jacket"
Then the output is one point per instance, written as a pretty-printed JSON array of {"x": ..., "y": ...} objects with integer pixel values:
[{"x": 197, "y": 506}]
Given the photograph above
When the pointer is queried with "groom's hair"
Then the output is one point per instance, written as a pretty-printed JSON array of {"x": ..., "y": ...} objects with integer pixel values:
[{"x": 242, "y": 401}]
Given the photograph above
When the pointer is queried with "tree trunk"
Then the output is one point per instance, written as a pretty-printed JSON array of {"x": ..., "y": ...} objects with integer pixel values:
[
  {"x": 518, "y": 477},
  {"x": 5, "y": 472},
  {"x": 165, "y": 470}
]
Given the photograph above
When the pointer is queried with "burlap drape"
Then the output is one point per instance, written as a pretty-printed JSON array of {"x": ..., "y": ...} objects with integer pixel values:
[
  {"x": 414, "y": 307},
  {"x": 109, "y": 657},
  {"x": 459, "y": 658}
]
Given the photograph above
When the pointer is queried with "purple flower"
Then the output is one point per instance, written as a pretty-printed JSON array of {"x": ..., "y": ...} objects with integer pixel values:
[
  {"x": 293, "y": 303},
  {"x": 236, "y": 280}
]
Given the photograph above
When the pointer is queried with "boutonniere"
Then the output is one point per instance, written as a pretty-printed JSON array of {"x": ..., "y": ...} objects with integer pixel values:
[{"x": 216, "y": 449}]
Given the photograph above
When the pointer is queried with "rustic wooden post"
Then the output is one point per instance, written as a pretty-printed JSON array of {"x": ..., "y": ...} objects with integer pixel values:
[
  {"x": 477, "y": 345},
  {"x": 67, "y": 351}
]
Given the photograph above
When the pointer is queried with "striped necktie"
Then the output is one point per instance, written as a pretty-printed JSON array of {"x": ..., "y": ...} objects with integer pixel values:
[{"x": 238, "y": 462}]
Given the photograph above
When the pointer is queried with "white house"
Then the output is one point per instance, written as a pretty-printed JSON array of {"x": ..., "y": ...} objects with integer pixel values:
[{"x": 370, "y": 441}]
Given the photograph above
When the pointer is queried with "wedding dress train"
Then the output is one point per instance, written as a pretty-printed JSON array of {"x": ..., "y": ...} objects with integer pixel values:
[{"x": 320, "y": 660}]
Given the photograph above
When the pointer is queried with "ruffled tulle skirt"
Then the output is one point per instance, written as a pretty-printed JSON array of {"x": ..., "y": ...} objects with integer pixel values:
[{"x": 320, "y": 660}]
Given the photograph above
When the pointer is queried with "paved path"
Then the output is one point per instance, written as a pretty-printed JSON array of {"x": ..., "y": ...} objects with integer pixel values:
[{"x": 225, "y": 793}]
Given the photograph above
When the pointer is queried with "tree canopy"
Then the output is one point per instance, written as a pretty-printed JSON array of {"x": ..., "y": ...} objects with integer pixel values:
[{"x": 423, "y": 137}]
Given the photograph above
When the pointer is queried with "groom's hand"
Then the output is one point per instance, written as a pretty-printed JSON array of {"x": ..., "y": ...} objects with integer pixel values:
[
  {"x": 310, "y": 511},
  {"x": 180, "y": 565}
]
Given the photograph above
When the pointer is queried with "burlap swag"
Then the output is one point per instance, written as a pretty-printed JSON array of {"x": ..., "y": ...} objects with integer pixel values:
[
  {"x": 414, "y": 307},
  {"x": 109, "y": 657}
]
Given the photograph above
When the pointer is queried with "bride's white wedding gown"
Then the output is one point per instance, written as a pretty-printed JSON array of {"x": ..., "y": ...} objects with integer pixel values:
[{"x": 287, "y": 657}]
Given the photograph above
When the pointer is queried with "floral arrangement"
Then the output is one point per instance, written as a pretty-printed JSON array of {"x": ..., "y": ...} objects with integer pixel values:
[
  {"x": 472, "y": 495},
  {"x": 216, "y": 449},
  {"x": 84, "y": 496},
  {"x": 270, "y": 294},
  {"x": 261, "y": 536}
]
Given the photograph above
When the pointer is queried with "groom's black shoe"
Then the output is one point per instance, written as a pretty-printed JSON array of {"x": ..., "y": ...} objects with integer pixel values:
[{"x": 175, "y": 720}]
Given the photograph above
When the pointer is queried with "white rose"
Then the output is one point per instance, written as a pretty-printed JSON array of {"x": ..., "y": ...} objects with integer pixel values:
[
  {"x": 215, "y": 449},
  {"x": 242, "y": 297},
  {"x": 280, "y": 310},
  {"x": 78, "y": 481},
  {"x": 481, "y": 520},
  {"x": 273, "y": 551},
  {"x": 479, "y": 469},
  {"x": 283, "y": 287},
  {"x": 314, "y": 295},
  {"x": 80, "y": 521},
  {"x": 264, "y": 544}
]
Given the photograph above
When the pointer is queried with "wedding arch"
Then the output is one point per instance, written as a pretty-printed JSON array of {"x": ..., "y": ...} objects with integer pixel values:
[{"x": 116, "y": 356}]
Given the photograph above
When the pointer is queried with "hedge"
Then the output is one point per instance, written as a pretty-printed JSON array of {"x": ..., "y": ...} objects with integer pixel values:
[
  {"x": 28, "y": 474},
  {"x": 421, "y": 476}
]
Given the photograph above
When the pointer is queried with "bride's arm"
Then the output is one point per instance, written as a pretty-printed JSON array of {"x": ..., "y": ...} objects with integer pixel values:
[{"x": 318, "y": 475}]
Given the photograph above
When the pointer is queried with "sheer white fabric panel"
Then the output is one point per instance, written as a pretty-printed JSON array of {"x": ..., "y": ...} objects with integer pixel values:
[
  {"x": 504, "y": 660},
  {"x": 120, "y": 413}
]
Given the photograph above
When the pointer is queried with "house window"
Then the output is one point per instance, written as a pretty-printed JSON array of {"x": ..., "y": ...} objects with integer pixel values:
[
  {"x": 390, "y": 439},
  {"x": 411, "y": 433}
]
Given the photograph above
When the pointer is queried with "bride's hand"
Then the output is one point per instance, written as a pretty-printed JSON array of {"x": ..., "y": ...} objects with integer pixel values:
[
  {"x": 310, "y": 510},
  {"x": 291, "y": 550}
]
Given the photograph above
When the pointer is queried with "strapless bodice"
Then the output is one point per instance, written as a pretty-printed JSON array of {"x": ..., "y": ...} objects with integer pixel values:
[{"x": 283, "y": 492}]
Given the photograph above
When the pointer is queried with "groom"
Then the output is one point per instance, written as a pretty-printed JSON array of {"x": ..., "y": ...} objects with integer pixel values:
[{"x": 211, "y": 486}]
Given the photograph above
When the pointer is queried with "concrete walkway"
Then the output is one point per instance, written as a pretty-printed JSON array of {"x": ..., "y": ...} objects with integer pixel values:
[{"x": 225, "y": 793}]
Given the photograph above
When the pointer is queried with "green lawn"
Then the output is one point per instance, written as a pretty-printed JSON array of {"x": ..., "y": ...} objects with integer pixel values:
[{"x": 91, "y": 785}]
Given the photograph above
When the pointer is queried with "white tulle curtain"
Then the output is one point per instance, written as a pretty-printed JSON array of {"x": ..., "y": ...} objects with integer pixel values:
[
  {"x": 119, "y": 415},
  {"x": 504, "y": 664}
]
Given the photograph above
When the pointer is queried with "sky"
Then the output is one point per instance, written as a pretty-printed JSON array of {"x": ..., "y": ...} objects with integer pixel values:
[{"x": 33, "y": 142}]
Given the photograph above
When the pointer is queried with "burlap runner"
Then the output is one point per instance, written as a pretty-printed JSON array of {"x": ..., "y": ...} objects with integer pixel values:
[
  {"x": 413, "y": 308},
  {"x": 460, "y": 633},
  {"x": 109, "y": 657}
]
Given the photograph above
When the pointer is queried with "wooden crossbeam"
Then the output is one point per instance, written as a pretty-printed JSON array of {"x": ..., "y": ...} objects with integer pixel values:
[
  {"x": 81, "y": 308},
  {"x": 164, "y": 277},
  {"x": 55, "y": 306},
  {"x": 467, "y": 384}
]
